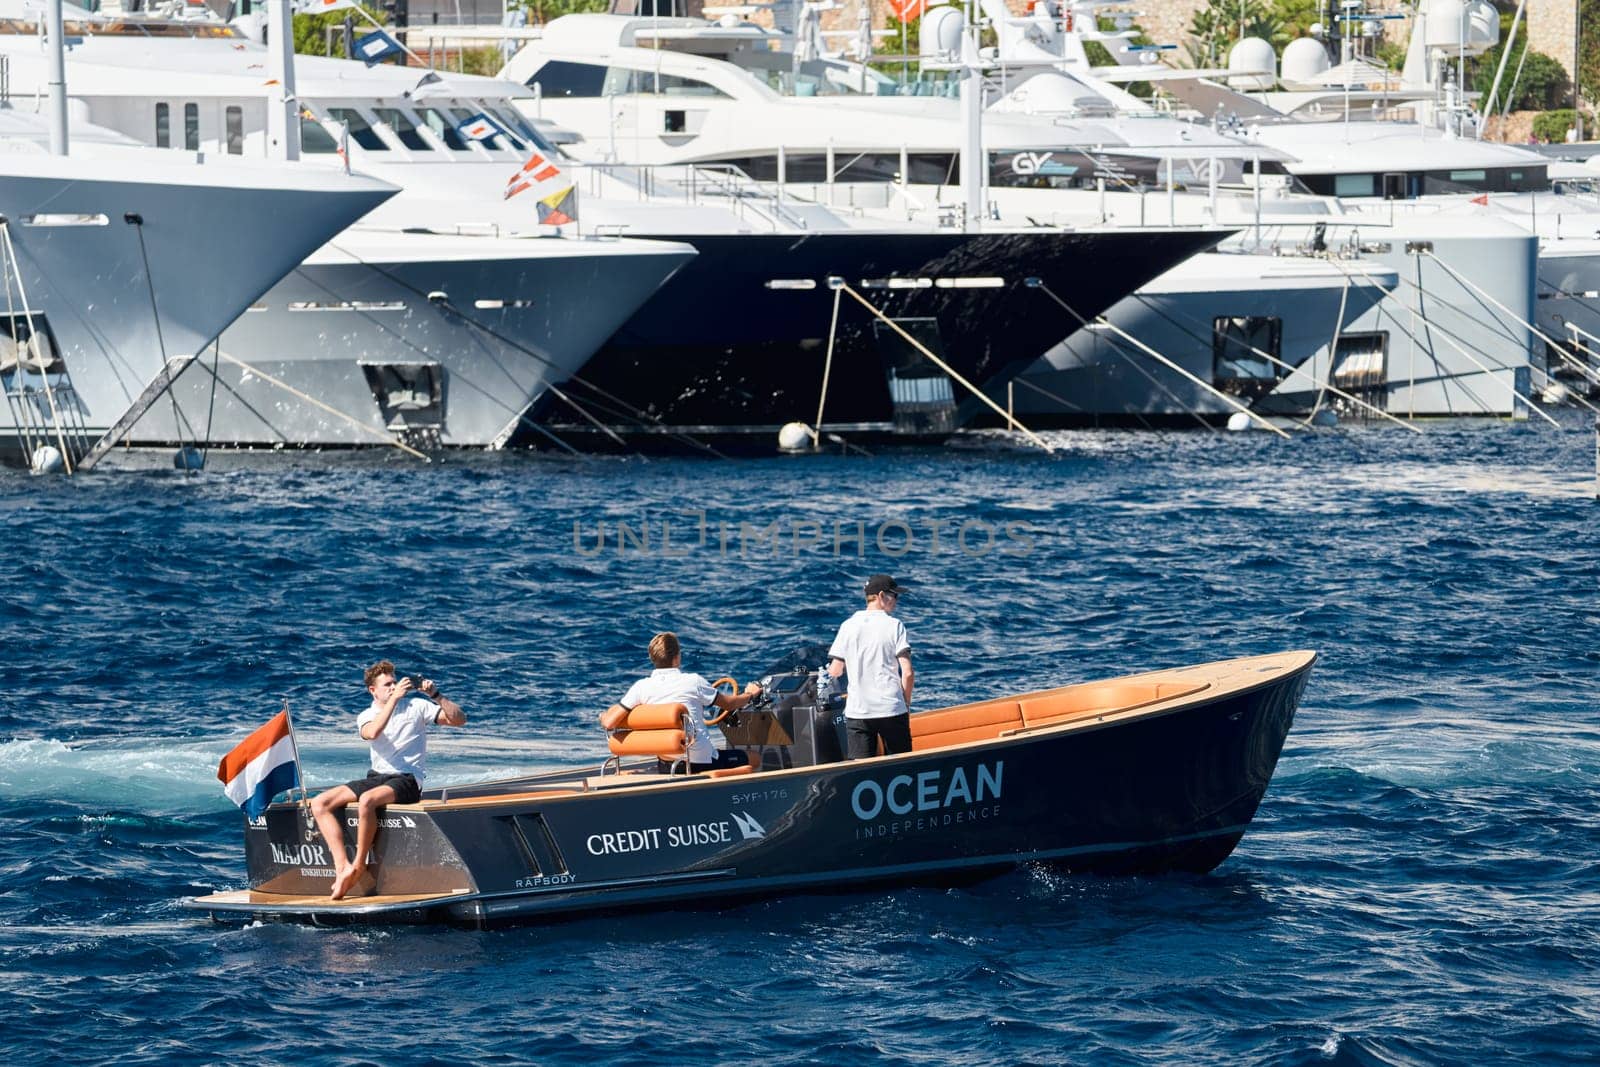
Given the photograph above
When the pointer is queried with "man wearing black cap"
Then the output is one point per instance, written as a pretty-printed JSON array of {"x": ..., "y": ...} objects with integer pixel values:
[{"x": 872, "y": 646}]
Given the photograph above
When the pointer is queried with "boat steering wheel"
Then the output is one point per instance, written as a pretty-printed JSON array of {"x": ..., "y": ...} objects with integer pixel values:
[{"x": 723, "y": 713}]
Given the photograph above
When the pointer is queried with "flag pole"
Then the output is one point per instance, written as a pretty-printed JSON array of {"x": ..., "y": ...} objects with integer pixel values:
[{"x": 299, "y": 771}]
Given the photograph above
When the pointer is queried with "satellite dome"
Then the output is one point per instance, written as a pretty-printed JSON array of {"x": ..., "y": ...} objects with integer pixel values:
[
  {"x": 1252, "y": 64},
  {"x": 1303, "y": 60},
  {"x": 941, "y": 30}
]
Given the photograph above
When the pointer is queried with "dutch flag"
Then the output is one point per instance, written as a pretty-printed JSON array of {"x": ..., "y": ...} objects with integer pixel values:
[{"x": 261, "y": 767}]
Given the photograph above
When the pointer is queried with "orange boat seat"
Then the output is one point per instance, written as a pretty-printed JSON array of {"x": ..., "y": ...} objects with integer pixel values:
[
  {"x": 659, "y": 730},
  {"x": 1099, "y": 698},
  {"x": 963, "y": 723}
]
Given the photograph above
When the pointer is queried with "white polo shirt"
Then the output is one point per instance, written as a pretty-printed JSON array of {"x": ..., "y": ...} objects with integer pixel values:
[
  {"x": 402, "y": 748},
  {"x": 870, "y": 643},
  {"x": 669, "y": 685}
]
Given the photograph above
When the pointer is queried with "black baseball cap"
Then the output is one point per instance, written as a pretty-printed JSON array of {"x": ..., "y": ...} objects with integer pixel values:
[{"x": 883, "y": 583}]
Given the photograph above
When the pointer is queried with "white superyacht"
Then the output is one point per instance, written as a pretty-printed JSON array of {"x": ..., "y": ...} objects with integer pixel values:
[
  {"x": 408, "y": 330},
  {"x": 120, "y": 262}
]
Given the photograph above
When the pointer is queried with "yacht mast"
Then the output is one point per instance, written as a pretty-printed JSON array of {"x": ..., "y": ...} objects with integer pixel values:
[
  {"x": 283, "y": 106},
  {"x": 972, "y": 162},
  {"x": 58, "y": 80}
]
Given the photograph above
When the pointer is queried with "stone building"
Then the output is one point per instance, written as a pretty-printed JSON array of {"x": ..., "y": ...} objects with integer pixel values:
[
  {"x": 1553, "y": 29},
  {"x": 1167, "y": 21}
]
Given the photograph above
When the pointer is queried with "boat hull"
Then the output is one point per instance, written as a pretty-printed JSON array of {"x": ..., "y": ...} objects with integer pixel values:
[
  {"x": 490, "y": 324},
  {"x": 1167, "y": 788},
  {"x": 729, "y": 351}
]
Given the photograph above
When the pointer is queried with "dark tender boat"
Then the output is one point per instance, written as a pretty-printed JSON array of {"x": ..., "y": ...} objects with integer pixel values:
[{"x": 1149, "y": 773}]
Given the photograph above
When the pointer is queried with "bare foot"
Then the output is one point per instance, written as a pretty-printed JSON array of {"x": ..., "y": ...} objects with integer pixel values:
[{"x": 346, "y": 879}]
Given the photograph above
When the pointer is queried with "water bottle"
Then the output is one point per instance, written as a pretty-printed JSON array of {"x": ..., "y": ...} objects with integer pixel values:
[{"x": 824, "y": 685}]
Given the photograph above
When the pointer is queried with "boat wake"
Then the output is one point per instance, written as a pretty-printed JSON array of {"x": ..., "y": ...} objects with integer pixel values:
[{"x": 178, "y": 776}]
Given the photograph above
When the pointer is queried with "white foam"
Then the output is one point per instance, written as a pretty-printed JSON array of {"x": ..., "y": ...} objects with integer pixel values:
[{"x": 171, "y": 775}]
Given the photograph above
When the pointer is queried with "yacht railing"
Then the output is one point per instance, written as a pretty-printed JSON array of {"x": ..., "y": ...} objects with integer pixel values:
[{"x": 720, "y": 185}]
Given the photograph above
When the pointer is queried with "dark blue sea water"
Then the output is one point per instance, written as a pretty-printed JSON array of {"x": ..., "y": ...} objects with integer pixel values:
[{"x": 1421, "y": 885}]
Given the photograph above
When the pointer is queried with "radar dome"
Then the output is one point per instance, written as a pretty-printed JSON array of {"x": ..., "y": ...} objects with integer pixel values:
[
  {"x": 1447, "y": 24},
  {"x": 941, "y": 30},
  {"x": 1470, "y": 26},
  {"x": 1303, "y": 60},
  {"x": 1483, "y": 25},
  {"x": 1252, "y": 64}
]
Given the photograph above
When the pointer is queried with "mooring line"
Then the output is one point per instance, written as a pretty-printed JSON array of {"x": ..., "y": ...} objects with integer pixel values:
[
  {"x": 951, "y": 371},
  {"x": 827, "y": 368},
  {"x": 1461, "y": 347},
  {"x": 638, "y": 415},
  {"x": 357, "y": 423},
  {"x": 1120, "y": 332},
  {"x": 31, "y": 349}
]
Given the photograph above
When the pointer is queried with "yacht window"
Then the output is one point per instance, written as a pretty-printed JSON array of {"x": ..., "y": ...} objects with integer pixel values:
[
  {"x": 1355, "y": 185},
  {"x": 801, "y": 167},
  {"x": 1528, "y": 180},
  {"x": 440, "y": 124},
  {"x": 361, "y": 131},
  {"x": 866, "y": 166},
  {"x": 191, "y": 127},
  {"x": 403, "y": 128},
  {"x": 623, "y": 82},
  {"x": 1484, "y": 181},
  {"x": 672, "y": 85},
  {"x": 930, "y": 168},
  {"x": 759, "y": 168},
  {"x": 163, "y": 126},
  {"x": 315, "y": 140},
  {"x": 235, "y": 117},
  {"x": 512, "y": 120},
  {"x": 558, "y": 78}
]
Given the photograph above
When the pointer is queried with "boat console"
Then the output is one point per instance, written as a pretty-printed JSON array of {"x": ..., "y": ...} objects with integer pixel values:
[{"x": 787, "y": 725}]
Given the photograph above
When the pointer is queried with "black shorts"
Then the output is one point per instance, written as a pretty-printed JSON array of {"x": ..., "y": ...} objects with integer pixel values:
[
  {"x": 862, "y": 736},
  {"x": 406, "y": 789}
]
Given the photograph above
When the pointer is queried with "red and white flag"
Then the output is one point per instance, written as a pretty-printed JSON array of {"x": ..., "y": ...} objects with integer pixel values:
[
  {"x": 537, "y": 171},
  {"x": 317, "y": 7},
  {"x": 261, "y": 766}
]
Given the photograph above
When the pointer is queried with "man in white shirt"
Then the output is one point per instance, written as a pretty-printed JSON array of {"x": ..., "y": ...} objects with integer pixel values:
[
  {"x": 397, "y": 726},
  {"x": 669, "y": 684},
  {"x": 873, "y": 647}
]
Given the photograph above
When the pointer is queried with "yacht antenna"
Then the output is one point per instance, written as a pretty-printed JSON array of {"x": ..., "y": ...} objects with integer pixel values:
[{"x": 58, "y": 81}]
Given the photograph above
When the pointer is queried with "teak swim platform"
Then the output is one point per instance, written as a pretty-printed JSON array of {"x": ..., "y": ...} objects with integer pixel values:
[{"x": 1161, "y": 771}]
